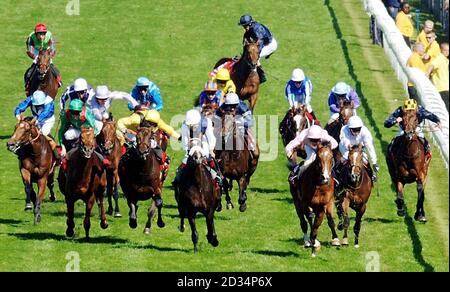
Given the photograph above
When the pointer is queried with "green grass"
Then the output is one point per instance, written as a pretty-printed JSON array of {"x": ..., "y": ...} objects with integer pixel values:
[{"x": 176, "y": 43}]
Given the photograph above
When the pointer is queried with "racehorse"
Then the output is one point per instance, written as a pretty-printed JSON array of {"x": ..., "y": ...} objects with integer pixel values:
[
  {"x": 85, "y": 180},
  {"x": 244, "y": 74},
  {"x": 197, "y": 193},
  {"x": 139, "y": 173},
  {"x": 234, "y": 159},
  {"x": 110, "y": 147},
  {"x": 43, "y": 77},
  {"x": 36, "y": 162},
  {"x": 314, "y": 193},
  {"x": 357, "y": 188},
  {"x": 296, "y": 120},
  {"x": 406, "y": 163},
  {"x": 345, "y": 112}
]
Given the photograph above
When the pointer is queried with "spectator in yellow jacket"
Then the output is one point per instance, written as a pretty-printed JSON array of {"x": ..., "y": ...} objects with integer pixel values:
[
  {"x": 422, "y": 36},
  {"x": 438, "y": 70},
  {"x": 404, "y": 23},
  {"x": 432, "y": 50},
  {"x": 416, "y": 61}
]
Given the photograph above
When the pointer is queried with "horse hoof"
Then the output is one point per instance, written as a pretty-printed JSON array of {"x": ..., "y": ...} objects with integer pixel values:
[
  {"x": 335, "y": 242},
  {"x": 243, "y": 207},
  {"x": 307, "y": 244},
  {"x": 109, "y": 212},
  {"x": 181, "y": 228},
  {"x": 219, "y": 208},
  {"x": 356, "y": 245},
  {"x": 28, "y": 206},
  {"x": 161, "y": 224},
  {"x": 340, "y": 226},
  {"x": 117, "y": 215},
  {"x": 52, "y": 198},
  {"x": 344, "y": 241},
  {"x": 146, "y": 231},
  {"x": 421, "y": 218},
  {"x": 70, "y": 233},
  {"x": 133, "y": 223},
  {"x": 37, "y": 219},
  {"x": 103, "y": 225},
  {"x": 401, "y": 212},
  {"x": 230, "y": 206}
]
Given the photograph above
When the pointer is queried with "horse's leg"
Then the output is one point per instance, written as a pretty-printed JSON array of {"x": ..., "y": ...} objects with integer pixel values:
[
  {"x": 133, "y": 216},
  {"x": 242, "y": 194},
  {"x": 315, "y": 228},
  {"x": 346, "y": 220},
  {"x": 401, "y": 207},
  {"x": 87, "y": 216},
  {"x": 70, "y": 215},
  {"x": 211, "y": 236},
  {"x": 41, "y": 193},
  {"x": 26, "y": 179},
  {"x": 150, "y": 214},
  {"x": 253, "y": 98},
  {"x": 159, "y": 204},
  {"x": 358, "y": 220},
  {"x": 101, "y": 205},
  {"x": 109, "y": 191},
  {"x": 194, "y": 235},
  {"x": 117, "y": 213},
  {"x": 50, "y": 184},
  {"x": 420, "y": 213},
  {"x": 227, "y": 194},
  {"x": 301, "y": 216},
  {"x": 181, "y": 227},
  {"x": 330, "y": 220}
]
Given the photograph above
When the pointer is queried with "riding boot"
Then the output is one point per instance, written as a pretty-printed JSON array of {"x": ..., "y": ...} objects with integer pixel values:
[
  {"x": 27, "y": 78},
  {"x": 427, "y": 147},
  {"x": 261, "y": 74},
  {"x": 372, "y": 174},
  {"x": 55, "y": 148},
  {"x": 215, "y": 171},
  {"x": 56, "y": 72}
]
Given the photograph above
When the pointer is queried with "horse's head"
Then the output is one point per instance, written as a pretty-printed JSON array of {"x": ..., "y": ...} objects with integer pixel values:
[
  {"x": 325, "y": 161},
  {"x": 251, "y": 54},
  {"x": 24, "y": 133},
  {"x": 43, "y": 63},
  {"x": 195, "y": 151},
  {"x": 345, "y": 110},
  {"x": 208, "y": 110},
  {"x": 410, "y": 122},
  {"x": 107, "y": 136},
  {"x": 87, "y": 144},
  {"x": 298, "y": 115},
  {"x": 145, "y": 138},
  {"x": 229, "y": 124},
  {"x": 355, "y": 159}
]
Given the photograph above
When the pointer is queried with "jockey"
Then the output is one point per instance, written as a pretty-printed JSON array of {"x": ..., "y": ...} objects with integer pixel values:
[
  {"x": 341, "y": 91},
  {"x": 80, "y": 89},
  {"x": 422, "y": 114},
  {"x": 211, "y": 95},
  {"x": 243, "y": 116},
  {"x": 224, "y": 82},
  {"x": 101, "y": 101},
  {"x": 298, "y": 91},
  {"x": 42, "y": 108},
  {"x": 202, "y": 128},
  {"x": 146, "y": 93},
  {"x": 78, "y": 115},
  {"x": 255, "y": 31},
  {"x": 353, "y": 134},
  {"x": 310, "y": 138},
  {"x": 127, "y": 127},
  {"x": 40, "y": 39}
]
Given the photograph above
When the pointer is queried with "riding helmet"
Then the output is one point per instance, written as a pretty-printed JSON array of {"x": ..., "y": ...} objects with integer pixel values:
[
  {"x": 340, "y": 88},
  {"x": 38, "y": 97},
  {"x": 76, "y": 105},
  {"x": 245, "y": 20},
  {"x": 410, "y": 104},
  {"x": 298, "y": 75}
]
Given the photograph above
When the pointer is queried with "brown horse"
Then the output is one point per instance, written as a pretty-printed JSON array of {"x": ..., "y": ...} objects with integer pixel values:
[
  {"x": 140, "y": 179},
  {"x": 357, "y": 188},
  {"x": 85, "y": 180},
  {"x": 110, "y": 147},
  {"x": 197, "y": 193},
  {"x": 406, "y": 163},
  {"x": 36, "y": 162},
  {"x": 314, "y": 193},
  {"x": 244, "y": 74},
  {"x": 295, "y": 120},
  {"x": 43, "y": 77}
]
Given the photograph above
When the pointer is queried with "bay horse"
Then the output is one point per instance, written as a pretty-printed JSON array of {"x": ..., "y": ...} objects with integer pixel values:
[
  {"x": 85, "y": 180},
  {"x": 314, "y": 194},
  {"x": 295, "y": 120},
  {"x": 36, "y": 162},
  {"x": 234, "y": 159},
  {"x": 140, "y": 178},
  {"x": 244, "y": 74},
  {"x": 197, "y": 193},
  {"x": 357, "y": 189},
  {"x": 110, "y": 147},
  {"x": 406, "y": 163},
  {"x": 43, "y": 77}
]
